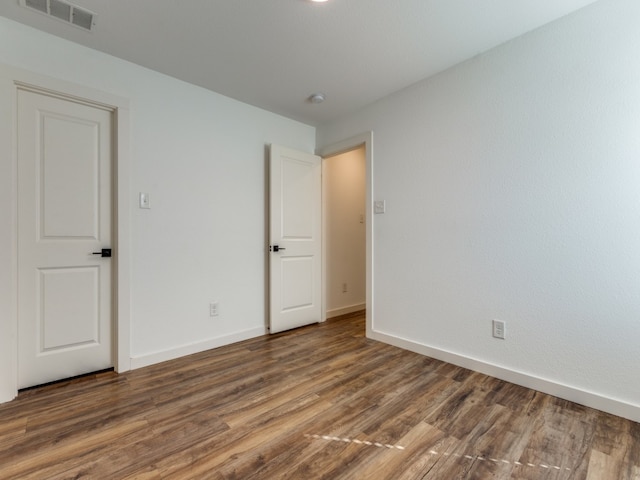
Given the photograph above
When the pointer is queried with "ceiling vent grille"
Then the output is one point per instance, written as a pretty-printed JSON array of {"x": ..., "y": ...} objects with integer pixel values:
[{"x": 65, "y": 11}]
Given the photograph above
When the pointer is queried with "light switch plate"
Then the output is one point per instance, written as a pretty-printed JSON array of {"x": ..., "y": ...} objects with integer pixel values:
[
  {"x": 144, "y": 200},
  {"x": 379, "y": 206}
]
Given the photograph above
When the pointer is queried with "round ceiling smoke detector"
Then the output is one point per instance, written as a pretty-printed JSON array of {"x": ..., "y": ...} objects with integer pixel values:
[{"x": 317, "y": 98}]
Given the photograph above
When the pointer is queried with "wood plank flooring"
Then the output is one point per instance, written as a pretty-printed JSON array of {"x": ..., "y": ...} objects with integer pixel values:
[{"x": 321, "y": 402}]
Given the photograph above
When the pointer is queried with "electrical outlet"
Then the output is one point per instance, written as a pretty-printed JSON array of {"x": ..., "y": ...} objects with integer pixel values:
[
  {"x": 213, "y": 309},
  {"x": 499, "y": 329},
  {"x": 344, "y": 287}
]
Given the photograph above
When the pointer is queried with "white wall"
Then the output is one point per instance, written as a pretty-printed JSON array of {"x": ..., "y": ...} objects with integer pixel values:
[
  {"x": 201, "y": 157},
  {"x": 344, "y": 187},
  {"x": 512, "y": 184}
]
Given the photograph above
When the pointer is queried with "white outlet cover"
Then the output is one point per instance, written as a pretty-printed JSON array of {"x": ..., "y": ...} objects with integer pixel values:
[
  {"x": 379, "y": 206},
  {"x": 499, "y": 328}
]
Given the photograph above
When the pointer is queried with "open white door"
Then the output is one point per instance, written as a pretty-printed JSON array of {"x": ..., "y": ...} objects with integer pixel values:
[
  {"x": 295, "y": 225},
  {"x": 64, "y": 215}
]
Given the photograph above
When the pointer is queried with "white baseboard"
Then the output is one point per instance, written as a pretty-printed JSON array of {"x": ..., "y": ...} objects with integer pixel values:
[
  {"x": 336, "y": 312},
  {"x": 573, "y": 394},
  {"x": 144, "y": 360}
]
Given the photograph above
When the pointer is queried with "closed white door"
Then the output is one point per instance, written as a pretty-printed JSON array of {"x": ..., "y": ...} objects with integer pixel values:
[
  {"x": 64, "y": 216},
  {"x": 295, "y": 239}
]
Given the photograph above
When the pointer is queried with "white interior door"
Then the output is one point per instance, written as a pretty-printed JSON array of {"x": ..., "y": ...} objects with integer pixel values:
[
  {"x": 295, "y": 239},
  {"x": 64, "y": 215}
]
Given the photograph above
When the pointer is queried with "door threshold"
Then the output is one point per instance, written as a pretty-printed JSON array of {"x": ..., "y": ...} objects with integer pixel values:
[{"x": 69, "y": 380}]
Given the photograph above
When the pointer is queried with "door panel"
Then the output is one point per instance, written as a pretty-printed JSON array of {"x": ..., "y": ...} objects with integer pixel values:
[
  {"x": 68, "y": 317},
  {"x": 68, "y": 209},
  {"x": 297, "y": 198},
  {"x": 64, "y": 215},
  {"x": 295, "y": 227},
  {"x": 297, "y": 282}
]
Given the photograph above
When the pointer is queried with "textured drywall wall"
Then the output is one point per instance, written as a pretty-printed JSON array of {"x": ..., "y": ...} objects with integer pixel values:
[
  {"x": 201, "y": 157},
  {"x": 512, "y": 190}
]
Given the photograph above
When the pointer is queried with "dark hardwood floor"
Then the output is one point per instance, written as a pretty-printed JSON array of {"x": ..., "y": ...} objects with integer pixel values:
[{"x": 321, "y": 402}]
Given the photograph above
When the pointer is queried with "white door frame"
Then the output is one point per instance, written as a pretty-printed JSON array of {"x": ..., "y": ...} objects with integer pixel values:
[
  {"x": 352, "y": 143},
  {"x": 10, "y": 80}
]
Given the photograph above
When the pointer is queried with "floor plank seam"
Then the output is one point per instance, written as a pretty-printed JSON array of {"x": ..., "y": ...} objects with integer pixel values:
[
  {"x": 354, "y": 440},
  {"x": 473, "y": 458}
]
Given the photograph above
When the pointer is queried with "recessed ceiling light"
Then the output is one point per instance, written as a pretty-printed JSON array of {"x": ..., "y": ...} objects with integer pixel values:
[{"x": 318, "y": 1}]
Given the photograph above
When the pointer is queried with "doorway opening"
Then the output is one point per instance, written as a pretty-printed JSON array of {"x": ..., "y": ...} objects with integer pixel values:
[
  {"x": 344, "y": 183},
  {"x": 358, "y": 155}
]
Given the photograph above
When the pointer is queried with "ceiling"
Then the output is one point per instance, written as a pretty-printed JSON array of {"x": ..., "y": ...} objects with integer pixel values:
[{"x": 275, "y": 53}]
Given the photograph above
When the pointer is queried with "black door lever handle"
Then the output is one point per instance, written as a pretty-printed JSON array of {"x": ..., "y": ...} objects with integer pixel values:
[{"x": 105, "y": 252}]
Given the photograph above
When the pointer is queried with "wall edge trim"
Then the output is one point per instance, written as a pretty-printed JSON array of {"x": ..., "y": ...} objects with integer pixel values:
[
  {"x": 336, "y": 312},
  {"x": 583, "y": 397},
  {"x": 147, "y": 359}
]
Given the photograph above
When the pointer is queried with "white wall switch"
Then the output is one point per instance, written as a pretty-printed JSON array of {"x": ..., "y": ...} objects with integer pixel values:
[
  {"x": 379, "y": 206},
  {"x": 499, "y": 329},
  {"x": 145, "y": 202}
]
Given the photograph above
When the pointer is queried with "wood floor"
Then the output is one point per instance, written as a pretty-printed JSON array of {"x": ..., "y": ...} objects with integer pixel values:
[{"x": 321, "y": 402}]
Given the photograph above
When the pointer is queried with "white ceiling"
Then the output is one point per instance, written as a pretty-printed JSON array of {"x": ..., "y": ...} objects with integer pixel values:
[{"x": 275, "y": 53}]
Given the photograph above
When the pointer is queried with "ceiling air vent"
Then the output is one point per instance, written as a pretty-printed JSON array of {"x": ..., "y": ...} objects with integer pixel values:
[{"x": 65, "y": 11}]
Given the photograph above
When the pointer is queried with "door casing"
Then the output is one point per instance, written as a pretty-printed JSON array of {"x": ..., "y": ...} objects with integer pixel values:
[{"x": 11, "y": 79}]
